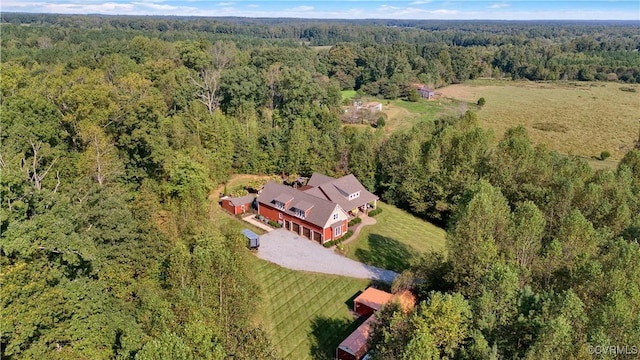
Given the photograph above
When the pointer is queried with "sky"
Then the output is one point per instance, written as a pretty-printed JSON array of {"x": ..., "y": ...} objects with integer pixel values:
[{"x": 344, "y": 9}]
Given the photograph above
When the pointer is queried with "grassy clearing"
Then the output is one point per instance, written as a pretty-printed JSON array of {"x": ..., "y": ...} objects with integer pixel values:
[
  {"x": 306, "y": 314},
  {"x": 404, "y": 114},
  {"x": 395, "y": 240},
  {"x": 577, "y": 118},
  {"x": 348, "y": 94}
]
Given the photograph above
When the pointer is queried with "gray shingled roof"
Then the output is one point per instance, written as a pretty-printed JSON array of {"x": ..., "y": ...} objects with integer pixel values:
[
  {"x": 320, "y": 212},
  {"x": 333, "y": 191},
  {"x": 319, "y": 179},
  {"x": 242, "y": 200}
]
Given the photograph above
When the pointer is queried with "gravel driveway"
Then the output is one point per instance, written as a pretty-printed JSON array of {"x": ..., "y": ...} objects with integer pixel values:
[{"x": 299, "y": 253}]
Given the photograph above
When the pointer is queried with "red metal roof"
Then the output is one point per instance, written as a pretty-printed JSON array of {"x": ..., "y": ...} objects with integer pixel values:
[
  {"x": 355, "y": 342},
  {"x": 373, "y": 298}
]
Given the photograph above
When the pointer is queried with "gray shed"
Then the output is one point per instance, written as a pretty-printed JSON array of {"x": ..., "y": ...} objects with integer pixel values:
[{"x": 253, "y": 239}]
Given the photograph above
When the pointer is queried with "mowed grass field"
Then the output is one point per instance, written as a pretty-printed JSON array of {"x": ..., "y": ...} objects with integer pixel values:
[
  {"x": 306, "y": 314},
  {"x": 395, "y": 240},
  {"x": 402, "y": 114},
  {"x": 576, "y": 118}
]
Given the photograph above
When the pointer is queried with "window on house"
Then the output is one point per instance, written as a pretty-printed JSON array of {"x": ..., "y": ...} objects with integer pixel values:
[
  {"x": 279, "y": 205},
  {"x": 354, "y": 195},
  {"x": 280, "y": 216},
  {"x": 335, "y": 216},
  {"x": 300, "y": 213},
  {"x": 338, "y": 231}
]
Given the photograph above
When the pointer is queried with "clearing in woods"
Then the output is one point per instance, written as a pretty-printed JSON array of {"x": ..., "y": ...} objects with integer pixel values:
[{"x": 576, "y": 118}]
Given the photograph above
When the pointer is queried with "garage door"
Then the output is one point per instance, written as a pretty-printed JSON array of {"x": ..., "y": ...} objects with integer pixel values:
[
  {"x": 306, "y": 232},
  {"x": 295, "y": 228}
]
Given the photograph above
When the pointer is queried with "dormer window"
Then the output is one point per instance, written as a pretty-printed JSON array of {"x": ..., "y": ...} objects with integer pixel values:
[
  {"x": 354, "y": 195},
  {"x": 279, "y": 205},
  {"x": 301, "y": 214}
]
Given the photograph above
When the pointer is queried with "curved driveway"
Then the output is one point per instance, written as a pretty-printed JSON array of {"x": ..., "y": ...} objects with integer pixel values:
[{"x": 296, "y": 252}]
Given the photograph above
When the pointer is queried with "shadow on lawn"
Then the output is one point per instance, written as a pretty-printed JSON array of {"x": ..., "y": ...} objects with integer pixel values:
[
  {"x": 328, "y": 333},
  {"x": 386, "y": 253}
]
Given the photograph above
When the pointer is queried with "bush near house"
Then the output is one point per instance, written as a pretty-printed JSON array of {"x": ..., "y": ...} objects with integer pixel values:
[
  {"x": 354, "y": 221},
  {"x": 339, "y": 240},
  {"x": 375, "y": 212},
  {"x": 274, "y": 224}
]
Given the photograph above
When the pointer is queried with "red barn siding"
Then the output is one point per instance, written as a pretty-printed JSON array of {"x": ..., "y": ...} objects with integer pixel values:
[
  {"x": 343, "y": 355},
  {"x": 297, "y": 224},
  {"x": 235, "y": 210}
]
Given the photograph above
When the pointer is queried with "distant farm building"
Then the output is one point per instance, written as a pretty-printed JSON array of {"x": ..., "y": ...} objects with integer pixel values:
[
  {"x": 372, "y": 106},
  {"x": 424, "y": 91},
  {"x": 238, "y": 205}
]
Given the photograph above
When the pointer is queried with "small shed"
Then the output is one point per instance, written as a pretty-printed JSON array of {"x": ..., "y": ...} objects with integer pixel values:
[
  {"x": 253, "y": 239},
  {"x": 370, "y": 301},
  {"x": 238, "y": 205},
  {"x": 355, "y": 346}
]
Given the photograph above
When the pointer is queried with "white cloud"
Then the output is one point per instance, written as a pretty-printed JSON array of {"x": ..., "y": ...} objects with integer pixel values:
[
  {"x": 226, "y": 3},
  {"x": 499, "y": 5},
  {"x": 301, "y": 8},
  {"x": 384, "y": 11},
  {"x": 420, "y": 2}
]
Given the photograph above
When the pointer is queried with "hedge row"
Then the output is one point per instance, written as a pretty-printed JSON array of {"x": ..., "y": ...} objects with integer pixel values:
[
  {"x": 375, "y": 212},
  {"x": 337, "y": 241},
  {"x": 274, "y": 224},
  {"x": 355, "y": 221}
]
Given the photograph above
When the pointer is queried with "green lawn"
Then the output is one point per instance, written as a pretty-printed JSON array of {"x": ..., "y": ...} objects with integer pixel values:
[
  {"x": 395, "y": 240},
  {"x": 404, "y": 114},
  {"x": 306, "y": 314},
  {"x": 348, "y": 94}
]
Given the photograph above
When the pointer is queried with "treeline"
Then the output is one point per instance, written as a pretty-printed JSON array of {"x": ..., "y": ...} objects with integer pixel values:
[
  {"x": 436, "y": 52},
  {"x": 541, "y": 250}
]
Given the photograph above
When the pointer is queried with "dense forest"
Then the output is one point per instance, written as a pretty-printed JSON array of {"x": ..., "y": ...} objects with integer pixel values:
[{"x": 115, "y": 130}]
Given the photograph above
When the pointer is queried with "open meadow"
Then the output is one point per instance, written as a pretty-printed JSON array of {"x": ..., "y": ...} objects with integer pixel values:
[
  {"x": 307, "y": 315},
  {"x": 576, "y": 118},
  {"x": 395, "y": 240}
]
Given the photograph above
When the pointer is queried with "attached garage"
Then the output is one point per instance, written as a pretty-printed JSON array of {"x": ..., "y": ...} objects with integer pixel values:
[
  {"x": 306, "y": 232},
  {"x": 295, "y": 228}
]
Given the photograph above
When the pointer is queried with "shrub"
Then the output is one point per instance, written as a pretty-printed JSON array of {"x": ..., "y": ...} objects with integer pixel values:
[
  {"x": 339, "y": 240},
  {"x": 604, "y": 155},
  {"x": 481, "y": 101},
  {"x": 375, "y": 212},
  {"x": 355, "y": 221},
  {"x": 381, "y": 122},
  {"x": 274, "y": 224},
  {"x": 413, "y": 95}
]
